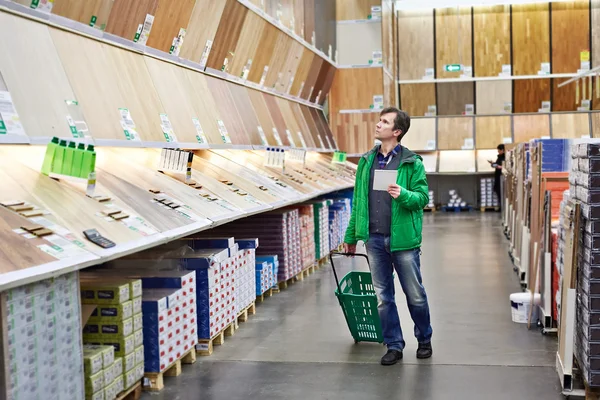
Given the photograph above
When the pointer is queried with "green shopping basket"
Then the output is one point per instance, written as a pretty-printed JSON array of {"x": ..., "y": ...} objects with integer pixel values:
[{"x": 358, "y": 300}]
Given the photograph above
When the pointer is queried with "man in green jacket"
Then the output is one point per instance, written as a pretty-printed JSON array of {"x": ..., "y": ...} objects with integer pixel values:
[{"x": 390, "y": 224}]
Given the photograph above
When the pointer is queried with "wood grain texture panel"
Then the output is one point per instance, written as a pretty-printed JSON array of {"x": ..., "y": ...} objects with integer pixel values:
[
  {"x": 529, "y": 94},
  {"x": 325, "y": 130},
  {"x": 278, "y": 59},
  {"x": 452, "y": 132},
  {"x": 415, "y": 98},
  {"x": 491, "y": 39},
  {"x": 311, "y": 78},
  {"x": 325, "y": 26},
  {"x": 564, "y": 98},
  {"x": 299, "y": 17},
  {"x": 290, "y": 121},
  {"x": 138, "y": 91},
  {"x": 354, "y": 9},
  {"x": 527, "y": 127},
  {"x": 264, "y": 52},
  {"x": 264, "y": 116},
  {"x": 303, "y": 125},
  {"x": 204, "y": 105},
  {"x": 83, "y": 11},
  {"x": 312, "y": 125},
  {"x": 170, "y": 17},
  {"x": 171, "y": 85},
  {"x": 231, "y": 117},
  {"x": 530, "y": 37},
  {"x": 457, "y": 161},
  {"x": 309, "y": 20},
  {"x": 491, "y": 131},
  {"x": 420, "y": 135},
  {"x": 389, "y": 91},
  {"x": 126, "y": 16},
  {"x": 453, "y": 39},
  {"x": 492, "y": 96},
  {"x": 203, "y": 26},
  {"x": 357, "y": 42},
  {"x": 277, "y": 117},
  {"x": 91, "y": 73},
  {"x": 286, "y": 13},
  {"x": 40, "y": 98},
  {"x": 248, "y": 42},
  {"x": 595, "y": 50},
  {"x": 570, "y": 126},
  {"x": 290, "y": 66},
  {"x": 570, "y": 34},
  {"x": 355, "y": 88},
  {"x": 228, "y": 34},
  {"x": 387, "y": 33},
  {"x": 243, "y": 105},
  {"x": 302, "y": 72},
  {"x": 483, "y": 156},
  {"x": 595, "y": 125},
  {"x": 452, "y": 97},
  {"x": 416, "y": 34},
  {"x": 327, "y": 83}
]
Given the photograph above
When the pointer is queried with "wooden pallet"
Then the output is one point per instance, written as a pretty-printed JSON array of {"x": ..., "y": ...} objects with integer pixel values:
[
  {"x": 266, "y": 294},
  {"x": 154, "y": 381},
  {"x": 205, "y": 347},
  {"x": 243, "y": 316},
  {"x": 484, "y": 209},
  {"x": 430, "y": 209},
  {"x": 133, "y": 393}
]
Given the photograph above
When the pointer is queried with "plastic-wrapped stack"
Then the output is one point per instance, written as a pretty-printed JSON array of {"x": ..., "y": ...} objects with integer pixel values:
[
  {"x": 321, "y": 218},
  {"x": 271, "y": 263},
  {"x": 455, "y": 199},
  {"x": 245, "y": 274},
  {"x": 586, "y": 177},
  {"x": 116, "y": 321},
  {"x": 431, "y": 203},
  {"x": 43, "y": 340},
  {"x": 488, "y": 196},
  {"x": 307, "y": 235},
  {"x": 339, "y": 217}
]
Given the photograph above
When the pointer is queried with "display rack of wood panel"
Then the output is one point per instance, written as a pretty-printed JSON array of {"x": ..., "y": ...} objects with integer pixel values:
[{"x": 104, "y": 75}]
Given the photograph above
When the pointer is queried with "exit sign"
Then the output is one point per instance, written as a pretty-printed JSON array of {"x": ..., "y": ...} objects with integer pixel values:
[{"x": 452, "y": 67}]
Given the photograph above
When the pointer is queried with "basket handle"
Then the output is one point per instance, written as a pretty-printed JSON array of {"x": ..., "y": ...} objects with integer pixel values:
[{"x": 337, "y": 281}]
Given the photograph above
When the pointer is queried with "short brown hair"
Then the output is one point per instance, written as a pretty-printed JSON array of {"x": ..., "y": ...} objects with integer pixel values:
[{"x": 401, "y": 122}]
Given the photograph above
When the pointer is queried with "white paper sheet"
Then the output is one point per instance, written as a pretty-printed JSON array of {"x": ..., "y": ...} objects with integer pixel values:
[{"x": 384, "y": 178}]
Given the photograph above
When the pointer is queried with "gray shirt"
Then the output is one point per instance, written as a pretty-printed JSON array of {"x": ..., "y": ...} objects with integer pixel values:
[{"x": 380, "y": 202}]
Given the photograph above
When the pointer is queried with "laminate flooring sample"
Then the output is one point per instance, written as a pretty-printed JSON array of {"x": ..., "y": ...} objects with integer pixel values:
[
  {"x": 228, "y": 34},
  {"x": 202, "y": 27},
  {"x": 493, "y": 97},
  {"x": 357, "y": 43},
  {"x": 231, "y": 117},
  {"x": 126, "y": 16},
  {"x": 453, "y": 97},
  {"x": 595, "y": 16},
  {"x": 290, "y": 121},
  {"x": 325, "y": 84},
  {"x": 482, "y": 157},
  {"x": 530, "y": 37},
  {"x": 353, "y": 89},
  {"x": 570, "y": 126},
  {"x": 328, "y": 136},
  {"x": 454, "y": 133},
  {"x": 389, "y": 89},
  {"x": 40, "y": 98},
  {"x": 421, "y": 134},
  {"x": 91, "y": 72},
  {"x": 453, "y": 39},
  {"x": 529, "y": 94},
  {"x": 302, "y": 72},
  {"x": 243, "y": 104},
  {"x": 354, "y": 9},
  {"x": 171, "y": 17},
  {"x": 204, "y": 106},
  {"x": 565, "y": 98},
  {"x": 17, "y": 252},
  {"x": 389, "y": 35},
  {"x": 595, "y": 117},
  {"x": 355, "y": 132},
  {"x": 265, "y": 120},
  {"x": 527, "y": 127},
  {"x": 303, "y": 125},
  {"x": 91, "y": 12},
  {"x": 491, "y": 39},
  {"x": 278, "y": 58},
  {"x": 138, "y": 91},
  {"x": 248, "y": 43},
  {"x": 416, "y": 33},
  {"x": 277, "y": 118},
  {"x": 262, "y": 57},
  {"x": 415, "y": 98},
  {"x": 289, "y": 67},
  {"x": 309, "y": 20},
  {"x": 492, "y": 131},
  {"x": 312, "y": 124},
  {"x": 457, "y": 161},
  {"x": 299, "y": 17},
  {"x": 430, "y": 161},
  {"x": 570, "y": 34},
  {"x": 311, "y": 78}
]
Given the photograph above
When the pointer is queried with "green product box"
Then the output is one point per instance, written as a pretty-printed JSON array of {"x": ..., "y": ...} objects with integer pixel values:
[
  {"x": 110, "y": 392},
  {"x": 137, "y": 305},
  {"x": 139, "y": 355},
  {"x": 59, "y": 157},
  {"x": 99, "y": 292},
  {"x": 49, "y": 157},
  {"x": 108, "y": 376},
  {"x": 92, "y": 360},
  {"x": 68, "y": 163},
  {"x": 108, "y": 353},
  {"x": 122, "y": 345},
  {"x": 138, "y": 322},
  {"x": 77, "y": 159},
  {"x": 122, "y": 328},
  {"x": 94, "y": 383},
  {"x": 96, "y": 396},
  {"x": 138, "y": 338},
  {"x": 129, "y": 361},
  {"x": 130, "y": 377},
  {"x": 118, "y": 367},
  {"x": 88, "y": 162},
  {"x": 119, "y": 383},
  {"x": 139, "y": 371},
  {"x": 112, "y": 312},
  {"x": 135, "y": 285}
]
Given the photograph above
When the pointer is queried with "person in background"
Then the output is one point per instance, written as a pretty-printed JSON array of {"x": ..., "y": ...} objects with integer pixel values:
[
  {"x": 497, "y": 165},
  {"x": 390, "y": 224}
]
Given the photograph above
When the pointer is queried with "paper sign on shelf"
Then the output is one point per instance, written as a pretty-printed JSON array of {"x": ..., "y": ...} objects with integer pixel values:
[
  {"x": 467, "y": 72},
  {"x": 246, "y": 70},
  {"x": 469, "y": 109},
  {"x": 143, "y": 31},
  {"x": 430, "y": 145},
  {"x": 377, "y": 58},
  {"x": 545, "y": 69},
  {"x": 302, "y": 139},
  {"x": 42, "y": 5},
  {"x": 263, "y": 137},
  {"x": 585, "y": 105},
  {"x": 431, "y": 111},
  {"x": 9, "y": 119},
  {"x": 223, "y": 130},
  {"x": 277, "y": 137},
  {"x": 468, "y": 145},
  {"x": 290, "y": 138},
  {"x": 429, "y": 73},
  {"x": 205, "y": 53},
  {"x": 508, "y": 107},
  {"x": 375, "y": 13},
  {"x": 200, "y": 136},
  {"x": 264, "y": 76},
  {"x": 329, "y": 52},
  {"x": 177, "y": 42},
  {"x": 506, "y": 70},
  {"x": 128, "y": 125},
  {"x": 313, "y": 39},
  {"x": 506, "y": 140},
  {"x": 546, "y": 105},
  {"x": 167, "y": 128},
  {"x": 378, "y": 102},
  {"x": 318, "y": 97}
]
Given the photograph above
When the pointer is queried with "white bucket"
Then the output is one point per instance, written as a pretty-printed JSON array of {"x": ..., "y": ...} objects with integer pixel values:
[{"x": 520, "y": 304}]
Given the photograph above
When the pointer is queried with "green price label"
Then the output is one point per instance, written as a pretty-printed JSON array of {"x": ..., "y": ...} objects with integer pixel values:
[
  {"x": 452, "y": 67},
  {"x": 93, "y": 20},
  {"x": 3, "y": 130},
  {"x": 35, "y": 3}
]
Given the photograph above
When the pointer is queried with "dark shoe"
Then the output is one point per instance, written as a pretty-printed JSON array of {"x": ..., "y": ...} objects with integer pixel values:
[
  {"x": 424, "y": 350},
  {"x": 391, "y": 357}
]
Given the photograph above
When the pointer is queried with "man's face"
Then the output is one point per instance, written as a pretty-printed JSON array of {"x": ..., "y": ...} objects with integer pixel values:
[
  {"x": 385, "y": 127},
  {"x": 500, "y": 151}
]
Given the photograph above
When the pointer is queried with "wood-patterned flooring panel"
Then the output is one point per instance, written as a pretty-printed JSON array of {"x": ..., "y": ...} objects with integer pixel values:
[
  {"x": 570, "y": 126},
  {"x": 415, "y": 98},
  {"x": 455, "y": 133},
  {"x": 570, "y": 34},
  {"x": 202, "y": 27},
  {"x": 354, "y": 9},
  {"x": 530, "y": 37},
  {"x": 170, "y": 18},
  {"x": 355, "y": 88},
  {"x": 92, "y": 12},
  {"x": 565, "y": 98},
  {"x": 421, "y": 134},
  {"x": 453, "y": 97},
  {"x": 493, "y": 96},
  {"x": 247, "y": 44},
  {"x": 527, "y": 127},
  {"x": 416, "y": 33},
  {"x": 302, "y": 72},
  {"x": 529, "y": 94},
  {"x": 491, "y": 36},
  {"x": 126, "y": 16},
  {"x": 595, "y": 50},
  {"x": 227, "y": 35},
  {"x": 453, "y": 35},
  {"x": 595, "y": 125},
  {"x": 491, "y": 131}
]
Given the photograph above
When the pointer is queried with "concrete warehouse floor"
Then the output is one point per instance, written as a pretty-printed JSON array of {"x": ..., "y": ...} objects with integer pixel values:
[{"x": 298, "y": 346}]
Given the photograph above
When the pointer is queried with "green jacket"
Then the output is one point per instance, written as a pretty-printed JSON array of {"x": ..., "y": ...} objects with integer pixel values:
[{"x": 407, "y": 209}]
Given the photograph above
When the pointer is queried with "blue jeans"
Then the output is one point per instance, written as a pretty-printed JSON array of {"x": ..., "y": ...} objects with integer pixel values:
[{"x": 408, "y": 267}]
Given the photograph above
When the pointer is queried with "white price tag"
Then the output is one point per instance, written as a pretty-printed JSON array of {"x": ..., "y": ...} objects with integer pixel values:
[
  {"x": 205, "y": 53},
  {"x": 430, "y": 145},
  {"x": 223, "y": 130},
  {"x": 277, "y": 137},
  {"x": 9, "y": 119},
  {"x": 469, "y": 109},
  {"x": 377, "y": 58},
  {"x": 302, "y": 139},
  {"x": 378, "y": 102},
  {"x": 200, "y": 136},
  {"x": 506, "y": 140},
  {"x": 128, "y": 125},
  {"x": 429, "y": 73},
  {"x": 263, "y": 137},
  {"x": 468, "y": 145},
  {"x": 167, "y": 128}
]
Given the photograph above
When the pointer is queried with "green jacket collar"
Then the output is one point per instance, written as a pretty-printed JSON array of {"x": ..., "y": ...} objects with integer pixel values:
[{"x": 408, "y": 156}]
